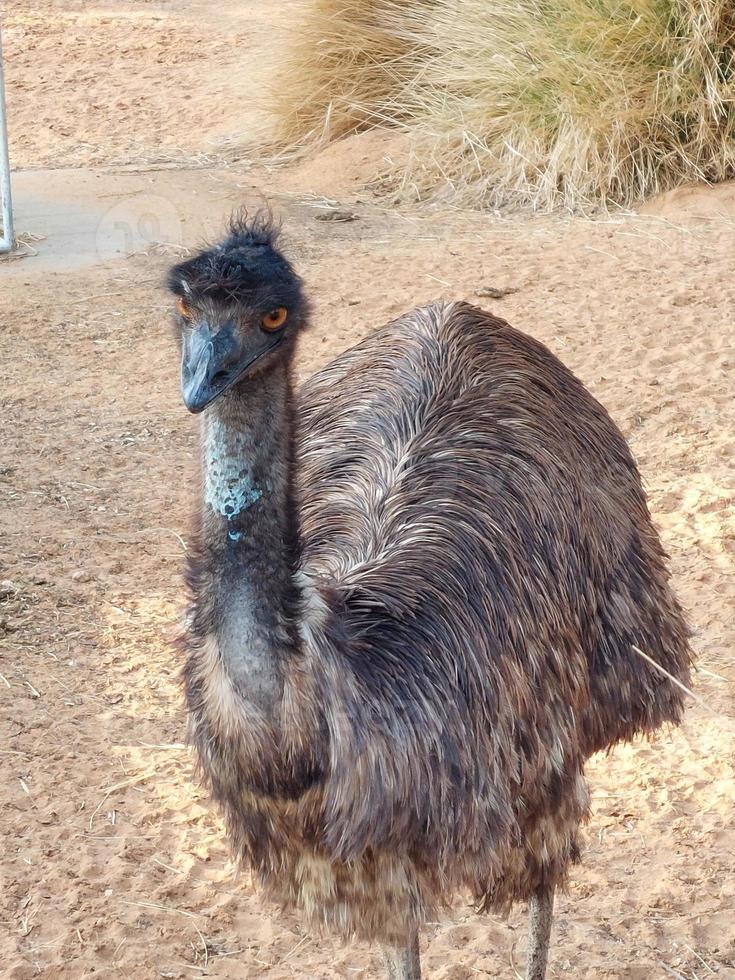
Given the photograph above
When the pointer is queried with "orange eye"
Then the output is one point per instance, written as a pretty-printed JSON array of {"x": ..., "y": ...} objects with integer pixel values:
[
  {"x": 183, "y": 308},
  {"x": 275, "y": 319}
]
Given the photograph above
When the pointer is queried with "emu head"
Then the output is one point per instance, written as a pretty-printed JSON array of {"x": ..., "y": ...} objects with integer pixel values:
[{"x": 239, "y": 308}]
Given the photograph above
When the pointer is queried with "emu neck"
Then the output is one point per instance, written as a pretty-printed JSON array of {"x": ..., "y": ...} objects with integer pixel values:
[{"x": 248, "y": 532}]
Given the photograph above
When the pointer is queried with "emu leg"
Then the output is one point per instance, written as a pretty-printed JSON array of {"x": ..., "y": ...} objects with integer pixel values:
[
  {"x": 403, "y": 962},
  {"x": 540, "y": 914}
]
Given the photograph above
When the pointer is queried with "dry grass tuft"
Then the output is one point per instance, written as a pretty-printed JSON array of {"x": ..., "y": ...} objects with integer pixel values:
[
  {"x": 579, "y": 104},
  {"x": 345, "y": 66}
]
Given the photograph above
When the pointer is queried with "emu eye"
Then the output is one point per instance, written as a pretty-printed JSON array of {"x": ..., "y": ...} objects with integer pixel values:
[
  {"x": 183, "y": 307},
  {"x": 275, "y": 319}
]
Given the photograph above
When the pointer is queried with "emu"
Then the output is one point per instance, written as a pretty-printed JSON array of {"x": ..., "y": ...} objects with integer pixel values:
[{"x": 418, "y": 592}]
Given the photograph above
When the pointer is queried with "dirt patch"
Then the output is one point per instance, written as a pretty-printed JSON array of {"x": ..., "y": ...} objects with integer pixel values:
[
  {"x": 694, "y": 202},
  {"x": 346, "y": 169},
  {"x": 129, "y": 82}
]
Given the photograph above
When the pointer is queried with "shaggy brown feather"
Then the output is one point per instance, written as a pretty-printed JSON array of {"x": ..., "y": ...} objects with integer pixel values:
[{"x": 474, "y": 562}]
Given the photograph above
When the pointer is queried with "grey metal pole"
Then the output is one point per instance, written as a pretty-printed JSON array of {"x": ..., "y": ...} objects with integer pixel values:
[{"x": 8, "y": 238}]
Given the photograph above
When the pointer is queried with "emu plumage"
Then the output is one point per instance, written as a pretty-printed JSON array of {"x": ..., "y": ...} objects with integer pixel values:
[{"x": 420, "y": 615}]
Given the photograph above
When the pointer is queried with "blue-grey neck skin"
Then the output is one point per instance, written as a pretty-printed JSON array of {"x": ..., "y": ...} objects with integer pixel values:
[{"x": 247, "y": 531}]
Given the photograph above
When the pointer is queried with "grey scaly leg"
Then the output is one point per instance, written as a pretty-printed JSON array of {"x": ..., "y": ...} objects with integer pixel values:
[
  {"x": 403, "y": 962},
  {"x": 540, "y": 914}
]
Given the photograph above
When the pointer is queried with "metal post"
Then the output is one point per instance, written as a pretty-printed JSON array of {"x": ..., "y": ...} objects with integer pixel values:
[{"x": 8, "y": 238}]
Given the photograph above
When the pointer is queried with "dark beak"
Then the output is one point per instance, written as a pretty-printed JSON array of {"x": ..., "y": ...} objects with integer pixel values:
[{"x": 212, "y": 362}]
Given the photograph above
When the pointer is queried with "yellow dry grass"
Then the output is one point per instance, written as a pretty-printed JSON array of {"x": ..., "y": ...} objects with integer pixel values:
[
  {"x": 344, "y": 67},
  {"x": 579, "y": 104}
]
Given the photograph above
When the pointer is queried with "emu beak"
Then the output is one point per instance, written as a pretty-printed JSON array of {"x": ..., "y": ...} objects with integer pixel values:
[{"x": 212, "y": 362}]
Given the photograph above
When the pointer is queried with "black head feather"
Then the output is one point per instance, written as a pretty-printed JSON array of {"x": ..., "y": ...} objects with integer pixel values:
[{"x": 245, "y": 268}]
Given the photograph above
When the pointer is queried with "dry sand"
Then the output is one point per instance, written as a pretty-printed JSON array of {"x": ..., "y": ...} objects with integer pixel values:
[{"x": 113, "y": 864}]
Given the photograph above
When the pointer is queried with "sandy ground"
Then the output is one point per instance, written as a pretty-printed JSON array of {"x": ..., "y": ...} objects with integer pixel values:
[{"x": 113, "y": 864}]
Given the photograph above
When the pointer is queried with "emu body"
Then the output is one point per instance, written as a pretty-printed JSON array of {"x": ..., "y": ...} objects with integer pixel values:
[{"x": 415, "y": 596}]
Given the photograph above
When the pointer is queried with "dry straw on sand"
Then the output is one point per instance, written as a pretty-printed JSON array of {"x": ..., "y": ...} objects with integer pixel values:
[{"x": 578, "y": 104}]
